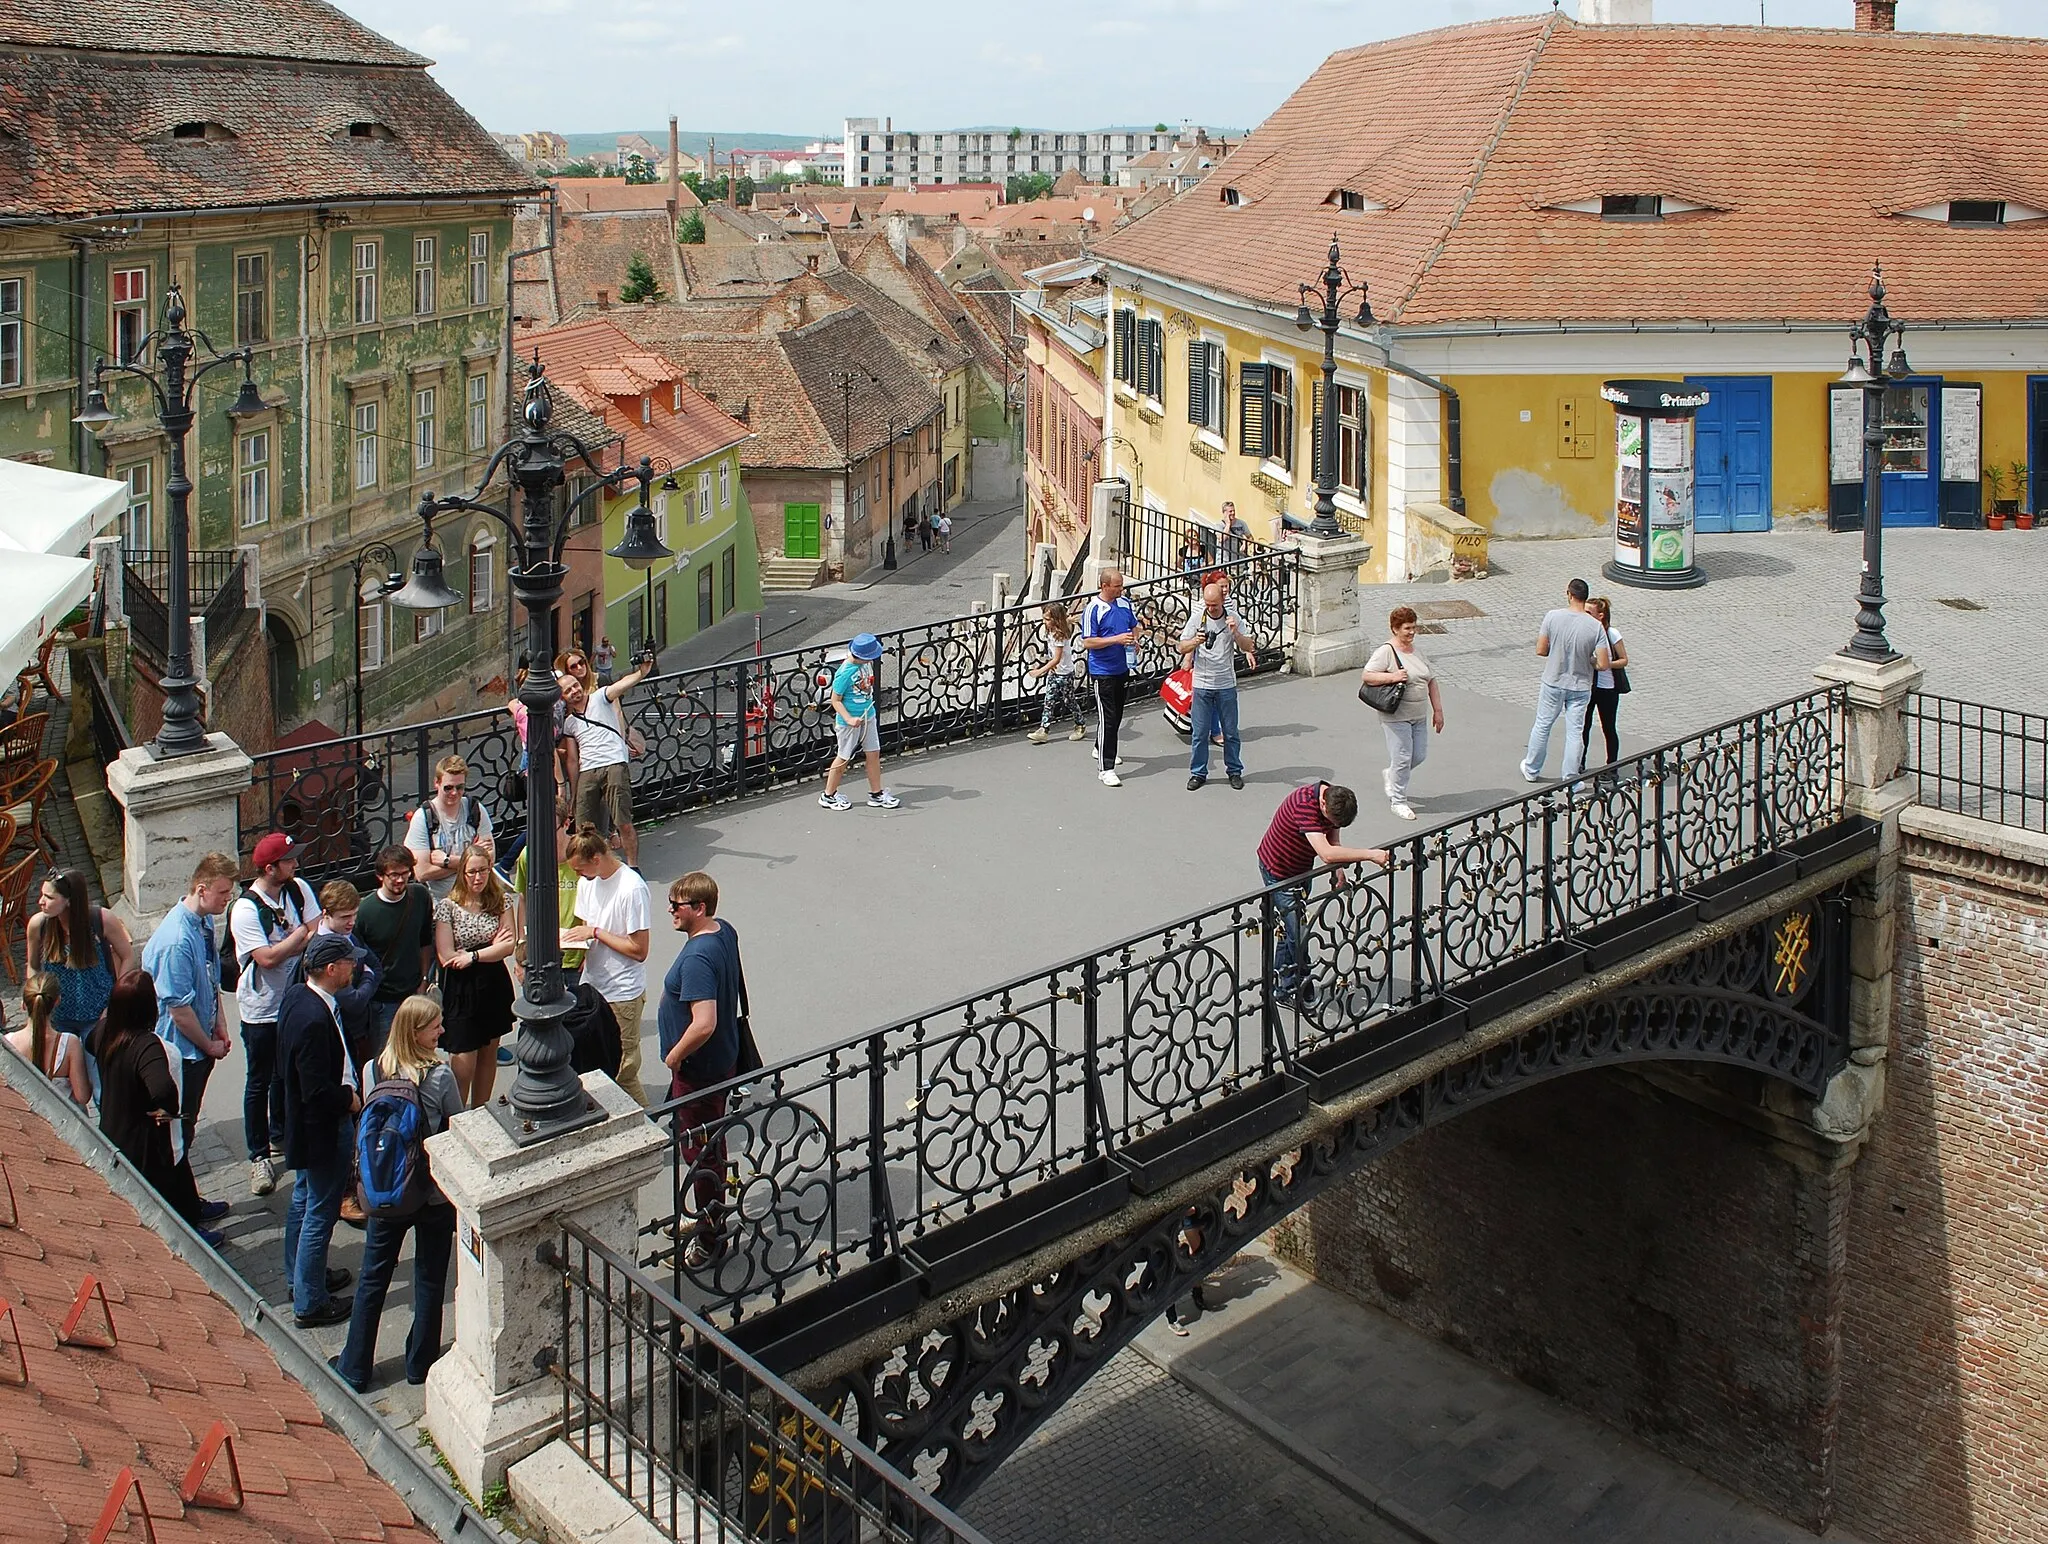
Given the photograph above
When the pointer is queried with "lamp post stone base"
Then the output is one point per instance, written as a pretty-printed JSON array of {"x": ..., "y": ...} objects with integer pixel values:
[
  {"x": 1329, "y": 621},
  {"x": 175, "y": 811},
  {"x": 490, "y": 1400}
]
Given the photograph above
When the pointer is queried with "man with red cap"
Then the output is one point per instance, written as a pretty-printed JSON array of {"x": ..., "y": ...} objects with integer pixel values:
[{"x": 269, "y": 926}]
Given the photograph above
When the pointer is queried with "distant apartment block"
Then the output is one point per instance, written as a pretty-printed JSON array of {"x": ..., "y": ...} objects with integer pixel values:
[{"x": 880, "y": 155}]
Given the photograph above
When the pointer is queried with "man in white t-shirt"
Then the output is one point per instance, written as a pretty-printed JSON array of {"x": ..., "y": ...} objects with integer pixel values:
[
  {"x": 269, "y": 926},
  {"x": 600, "y": 755},
  {"x": 445, "y": 827},
  {"x": 612, "y": 923}
]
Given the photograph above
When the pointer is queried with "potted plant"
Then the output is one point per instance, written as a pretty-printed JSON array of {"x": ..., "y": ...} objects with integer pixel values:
[
  {"x": 2023, "y": 509},
  {"x": 1994, "y": 498}
]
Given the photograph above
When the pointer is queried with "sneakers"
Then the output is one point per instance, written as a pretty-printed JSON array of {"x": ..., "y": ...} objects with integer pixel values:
[
  {"x": 1079, "y": 733},
  {"x": 1531, "y": 777},
  {"x": 262, "y": 1177},
  {"x": 1109, "y": 778},
  {"x": 213, "y": 1238},
  {"x": 212, "y": 1211},
  {"x": 1402, "y": 811},
  {"x": 702, "y": 1252},
  {"x": 884, "y": 800},
  {"x": 1038, "y": 737},
  {"x": 834, "y": 801},
  {"x": 1196, "y": 782},
  {"x": 1237, "y": 780}
]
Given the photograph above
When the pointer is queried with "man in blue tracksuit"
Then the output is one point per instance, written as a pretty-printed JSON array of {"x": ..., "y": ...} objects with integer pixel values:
[{"x": 1109, "y": 627}]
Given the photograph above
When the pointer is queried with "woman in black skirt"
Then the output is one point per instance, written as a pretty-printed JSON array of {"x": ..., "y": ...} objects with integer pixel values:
[{"x": 473, "y": 937}]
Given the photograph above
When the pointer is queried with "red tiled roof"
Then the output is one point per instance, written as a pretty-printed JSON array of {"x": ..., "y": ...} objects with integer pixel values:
[
  {"x": 609, "y": 195},
  {"x": 90, "y": 133},
  {"x": 590, "y": 258},
  {"x": 944, "y": 202},
  {"x": 1803, "y": 143},
  {"x": 182, "y": 1360},
  {"x": 594, "y": 362}
]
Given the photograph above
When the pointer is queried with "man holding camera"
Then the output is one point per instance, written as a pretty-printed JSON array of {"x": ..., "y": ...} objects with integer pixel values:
[{"x": 599, "y": 753}]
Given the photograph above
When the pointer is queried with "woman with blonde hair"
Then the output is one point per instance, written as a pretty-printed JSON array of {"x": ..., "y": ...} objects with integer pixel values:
[
  {"x": 410, "y": 1056},
  {"x": 58, "y": 1055},
  {"x": 472, "y": 939}
]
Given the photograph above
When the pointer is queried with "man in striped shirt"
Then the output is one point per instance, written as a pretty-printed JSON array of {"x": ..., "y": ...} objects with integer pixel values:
[{"x": 1303, "y": 834}]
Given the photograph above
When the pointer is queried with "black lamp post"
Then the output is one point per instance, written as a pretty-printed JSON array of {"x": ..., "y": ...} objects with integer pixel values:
[
  {"x": 546, "y": 1097},
  {"x": 1336, "y": 287},
  {"x": 376, "y": 589},
  {"x": 175, "y": 385},
  {"x": 1871, "y": 370}
]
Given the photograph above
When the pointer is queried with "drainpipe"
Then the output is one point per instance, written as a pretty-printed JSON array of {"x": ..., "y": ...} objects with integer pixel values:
[
  {"x": 1454, "y": 429},
  {"x": 82, "y": 439},
  {"x": 511, "y": 421}
]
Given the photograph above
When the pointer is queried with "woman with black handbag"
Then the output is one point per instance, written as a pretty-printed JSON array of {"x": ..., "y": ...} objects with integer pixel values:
[
  {"x": 1406, "y": 716},
  {"x": 1608, "y": 685}
]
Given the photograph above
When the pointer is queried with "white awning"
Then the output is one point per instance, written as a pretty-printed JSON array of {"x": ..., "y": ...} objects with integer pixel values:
[
  {"x": 37, "y": 589},
  {"x": 45, "y": 510}
]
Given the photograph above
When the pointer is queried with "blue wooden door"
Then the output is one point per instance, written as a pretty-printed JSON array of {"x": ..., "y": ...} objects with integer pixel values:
[
  {"x": 1912, "y": 446},
  {"x": 1732, "y": 454}
]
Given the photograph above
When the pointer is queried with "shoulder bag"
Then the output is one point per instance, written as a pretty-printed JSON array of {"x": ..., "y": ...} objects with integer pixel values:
[
  {"x": 1386, "y": 697},
  {"x": 1619, "y": 672}
]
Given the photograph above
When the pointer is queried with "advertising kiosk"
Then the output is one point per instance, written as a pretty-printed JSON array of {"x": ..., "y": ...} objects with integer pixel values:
[{"x": 1653, "y": 484}]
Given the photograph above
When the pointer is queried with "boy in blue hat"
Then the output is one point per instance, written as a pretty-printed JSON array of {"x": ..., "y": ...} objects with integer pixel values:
[{"x": 853, "y": 715}]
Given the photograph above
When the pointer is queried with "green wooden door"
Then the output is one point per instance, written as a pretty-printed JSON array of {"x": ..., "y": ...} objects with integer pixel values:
[{"x": 800, "y": 530}]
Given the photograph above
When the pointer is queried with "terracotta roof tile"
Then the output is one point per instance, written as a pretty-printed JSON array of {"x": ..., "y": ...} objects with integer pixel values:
[
  {"x": 611, "y": 195},
  {"x": 87, "y": 1413},
  {"x": 273, "y": 29},
  {"x": 594, "y": 361},
  {"x": 1805, "y": 142}
]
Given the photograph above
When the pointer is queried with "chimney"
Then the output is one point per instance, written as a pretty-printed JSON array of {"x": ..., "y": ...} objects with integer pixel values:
[
  {"x": 1877, "y": 15},
  {"x": 899, "y": 235},
  {"x": 675, "y": 176},
  {"x": 604, "y": 300}
]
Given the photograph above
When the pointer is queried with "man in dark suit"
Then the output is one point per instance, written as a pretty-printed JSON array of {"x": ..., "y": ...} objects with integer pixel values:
[{"x": 320, "y": 1104}]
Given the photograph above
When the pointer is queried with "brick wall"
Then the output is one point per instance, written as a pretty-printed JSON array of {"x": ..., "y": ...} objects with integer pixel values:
[
  {"x": 1945, "y": 1341},
  {"x": 1618, "y": 1245},
  {"x": 237, "y": 702}
]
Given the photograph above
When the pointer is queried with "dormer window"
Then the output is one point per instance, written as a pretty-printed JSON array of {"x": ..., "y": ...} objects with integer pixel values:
[
  {"x": 1632, "y": 206},
  {"x": 1351, "y": 202},
  {"x": 366, "y": 129},
  {"x": 1232, "y": 198},
  {"x": 202, "y": 128},
  {"x": 1981, "y": 212}
]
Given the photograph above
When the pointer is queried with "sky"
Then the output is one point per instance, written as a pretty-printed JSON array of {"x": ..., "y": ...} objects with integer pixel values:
[{"x": 803, "y": 66}]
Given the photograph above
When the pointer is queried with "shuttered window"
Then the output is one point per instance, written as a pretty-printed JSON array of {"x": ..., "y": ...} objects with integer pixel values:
[
  {"x": 1126, "y": 361},
  {"x": 1152, "y": 360},
  {"x": 1251, "y": 409},
  {"x": 1280, "y": 416},
  {"x": 1198, "y": 384}
]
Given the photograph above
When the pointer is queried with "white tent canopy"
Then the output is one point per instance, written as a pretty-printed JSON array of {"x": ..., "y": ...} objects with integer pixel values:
[{"x": 46, "y": 519}]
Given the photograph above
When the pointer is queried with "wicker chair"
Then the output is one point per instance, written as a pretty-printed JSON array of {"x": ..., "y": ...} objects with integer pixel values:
[
  {"x": 22, "y": 740},
  {"x": 39, "y": 670},
  {"x": 23, "y": 788},
  {"x": 15, "y": 909}
]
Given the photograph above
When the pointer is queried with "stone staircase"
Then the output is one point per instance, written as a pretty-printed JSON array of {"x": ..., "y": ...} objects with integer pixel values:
[{"x": 783, "y": 573}]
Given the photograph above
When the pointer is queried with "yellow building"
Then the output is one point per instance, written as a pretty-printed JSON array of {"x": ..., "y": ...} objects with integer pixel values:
[{"x": 1536, "y": 210}]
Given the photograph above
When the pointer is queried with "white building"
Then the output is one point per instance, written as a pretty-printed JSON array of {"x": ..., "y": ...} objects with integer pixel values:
[{"x": 880, "y": 155}]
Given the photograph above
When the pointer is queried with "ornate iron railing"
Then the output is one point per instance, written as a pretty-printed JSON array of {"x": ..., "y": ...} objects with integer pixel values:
[
  {"x": 1154, "y": 545},
  {"x": 731, "y": 730},
  {"x": 1976, "y": 760},
  {"x": 216, "y": 581},
  {"x": 856, "y": 1151},
  {"x": 705, "y": 1442}
]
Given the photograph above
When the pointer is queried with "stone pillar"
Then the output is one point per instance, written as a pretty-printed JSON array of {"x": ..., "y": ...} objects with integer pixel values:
[
  {"x": 175, "y": 812},
  {"x": 1874, "y": 747},
  {"x": 488, "y": 1403},
  {"x": 1108, "y": 501},
  {"x": 1329, "y": 624},
  {"x": 1415, "y": 463}
]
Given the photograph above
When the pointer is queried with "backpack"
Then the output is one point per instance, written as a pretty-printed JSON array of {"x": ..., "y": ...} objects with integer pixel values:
[
  {"x": 271, "y": 918},
  {"x": 472, "y": 814},
  {"x": 391, "y": 1150}
]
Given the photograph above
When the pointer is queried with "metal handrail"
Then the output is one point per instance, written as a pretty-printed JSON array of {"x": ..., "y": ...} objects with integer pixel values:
[
  {"x": 110, "y": 734},
  {"x": 218, "y": 584},
  {"x": 879, "y": 1138},
  {"x": 704, "y": 1441},
  {"x": 1991, "y": 763}
]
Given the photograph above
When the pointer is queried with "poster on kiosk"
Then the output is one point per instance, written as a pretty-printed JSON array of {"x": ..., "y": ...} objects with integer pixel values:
[{"x": 1653, "y": 483}]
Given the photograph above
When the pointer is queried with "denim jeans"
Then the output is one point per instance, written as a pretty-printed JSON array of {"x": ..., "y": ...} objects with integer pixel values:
[
  {"x": 262, "y": 1093},
  {"x": 1407, "y": 749},
  {"x": 309, "y": 1221},
  {"x": 1552, "y": 703},
  {"x": 1290, "y": 950},
  {"x": 1214, "y": 707},
  {"x": 192, "y": 1080},
  {"x": 433, "y": 1241}
]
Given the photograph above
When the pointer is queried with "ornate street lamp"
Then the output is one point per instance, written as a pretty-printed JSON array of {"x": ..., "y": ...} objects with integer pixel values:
[
  {"x": 1870, "y": 369},
  {"x": 546, "y": 1097},
  {"x": 1335, "y": 289},
  {"x": 175, "y": 385},
  {"x": 372, "y": 589}
]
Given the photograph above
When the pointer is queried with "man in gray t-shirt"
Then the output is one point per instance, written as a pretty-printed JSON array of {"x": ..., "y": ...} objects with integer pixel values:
[
  {"x": 1572, "y": 645},
  {"x": 1209, "y": 643}
]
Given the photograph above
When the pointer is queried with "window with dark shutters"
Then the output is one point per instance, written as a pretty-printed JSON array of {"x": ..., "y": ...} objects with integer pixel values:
[
  {"x": 1151, "y": 380},
  {"x": 1280, "y": 416},
  {"x": 1127, "y": 346},
  {"x": 1198, "y": 384},
  {"x": 1251, "y": 409}
]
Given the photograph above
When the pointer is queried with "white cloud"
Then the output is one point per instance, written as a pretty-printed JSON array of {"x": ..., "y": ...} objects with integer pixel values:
[
  {"x": 437, "y": 42},
  {"x": 1117, "y": 29}
]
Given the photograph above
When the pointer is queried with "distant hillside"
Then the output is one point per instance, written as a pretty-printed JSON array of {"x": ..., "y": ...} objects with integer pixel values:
[{"x": 692, "y": 140}]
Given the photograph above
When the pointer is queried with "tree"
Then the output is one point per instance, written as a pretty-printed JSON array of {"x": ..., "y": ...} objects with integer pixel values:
[
  {"x": 1158, "y": 128},
  {"x": 640, "y": 281},
  {"x": 690, "y": 229},
  {"x": 638, "y": 170},
  {"x": 1026, "y": 186},
  {"x": 576, "y": 169}
]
